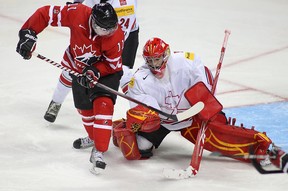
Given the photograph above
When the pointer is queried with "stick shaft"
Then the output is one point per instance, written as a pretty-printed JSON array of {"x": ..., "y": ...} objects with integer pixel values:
[
  {"x": 174, "y": 117},
  {"x": 219, "y": 65},
  {"x": 200, "y": 140}
]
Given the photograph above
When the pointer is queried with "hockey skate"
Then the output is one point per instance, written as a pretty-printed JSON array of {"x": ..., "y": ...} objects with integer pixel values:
[
  {"x": 266, "y": 159},
  {"x": 96, "y": 159},
  {"x": 83, "y": 143},
  {"x": 265, "y": 162},
  {"x": 52, "y": 111}
]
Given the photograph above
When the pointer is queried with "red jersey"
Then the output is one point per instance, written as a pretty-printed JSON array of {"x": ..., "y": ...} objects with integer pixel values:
[{"x": 85, "y": 47}]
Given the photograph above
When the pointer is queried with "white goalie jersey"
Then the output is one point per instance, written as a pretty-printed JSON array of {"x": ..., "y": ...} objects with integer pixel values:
[
  {"x": 167, "y": 94},
  {"x": 126, "y": 12}
]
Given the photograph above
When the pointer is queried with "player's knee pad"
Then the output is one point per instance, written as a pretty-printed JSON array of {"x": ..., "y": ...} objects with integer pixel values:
[
  {"x": 126, "y": 140},
  {"x": 140, "y": 118},
  {"x": 103, "y": 106}
]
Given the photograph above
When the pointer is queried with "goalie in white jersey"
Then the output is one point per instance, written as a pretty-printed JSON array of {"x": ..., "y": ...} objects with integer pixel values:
[
  {"x": 171, "y": 82},
  {"x": 164, "y": 78},
  {"x": 126, "y": 12},
  {"x": 161, "y": 83}
]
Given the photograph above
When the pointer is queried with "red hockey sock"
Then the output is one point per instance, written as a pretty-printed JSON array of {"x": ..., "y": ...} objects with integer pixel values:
[
  {"x": 103, "y": 109},
  {"x": 88, "y": 121}
]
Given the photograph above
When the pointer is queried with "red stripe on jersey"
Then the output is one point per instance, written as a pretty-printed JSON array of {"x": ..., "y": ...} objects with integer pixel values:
[
  {"x": 125, "y": 88},
  {"x": 55, "y": 15}
]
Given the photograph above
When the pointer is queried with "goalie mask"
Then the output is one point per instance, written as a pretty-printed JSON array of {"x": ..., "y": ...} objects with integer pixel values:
[
  {"x": 156, "y": 53},
  {"x": 104, "y": 19}
]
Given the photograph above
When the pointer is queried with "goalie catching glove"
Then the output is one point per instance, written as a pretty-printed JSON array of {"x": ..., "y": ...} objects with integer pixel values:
[
  {"x": 27, "y": 43},
  {"x": 90, "y": 74},
  {"x": 142, "y": 119}
]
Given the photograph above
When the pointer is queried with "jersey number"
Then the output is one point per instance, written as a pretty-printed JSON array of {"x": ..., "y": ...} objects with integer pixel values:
[
  {"x": 120, "y": 45},
  {"x": 124, "y": 22}
]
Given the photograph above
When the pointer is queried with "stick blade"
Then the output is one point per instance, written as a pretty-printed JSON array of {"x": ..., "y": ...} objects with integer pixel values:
[
  {"x": 195, "y": 109},
  {"x": 261, "y": 170}
]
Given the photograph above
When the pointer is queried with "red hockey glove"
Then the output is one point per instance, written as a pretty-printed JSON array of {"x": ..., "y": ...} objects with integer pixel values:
[
  {"x": 281, "y": 158},
  {"x": 27, "y": 43},
  {"x": 90, "y": 74}
]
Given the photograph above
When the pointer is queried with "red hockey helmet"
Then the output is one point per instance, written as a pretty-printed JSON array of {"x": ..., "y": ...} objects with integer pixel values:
[{"x": 156, "y": 53}]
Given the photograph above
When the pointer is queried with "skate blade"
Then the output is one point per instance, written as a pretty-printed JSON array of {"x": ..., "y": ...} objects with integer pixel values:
[{"x": 96, "y": 171}]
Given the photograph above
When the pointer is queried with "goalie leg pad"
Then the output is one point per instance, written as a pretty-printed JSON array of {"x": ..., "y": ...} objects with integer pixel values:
[
  {"x": 229, "y": 139},
  {"x": 235, "y": 140},
  {"x": 191, "y": 132},
  {"x": 121, "y": 124},
  {"x": 126, "y": 140}
]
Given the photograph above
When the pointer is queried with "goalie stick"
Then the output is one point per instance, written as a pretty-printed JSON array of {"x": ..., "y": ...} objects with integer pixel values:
[
  {"x": 244, "y": 156},
  {"x": 195, "y": 109},
  {"x": 253, "y": 158},
  {"x": 196, "y": 158},
  {"x": 261, "y": 170}
]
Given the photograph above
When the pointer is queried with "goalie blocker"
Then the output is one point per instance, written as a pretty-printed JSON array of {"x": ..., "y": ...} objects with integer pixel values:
[{"x": 222, "y": 135}]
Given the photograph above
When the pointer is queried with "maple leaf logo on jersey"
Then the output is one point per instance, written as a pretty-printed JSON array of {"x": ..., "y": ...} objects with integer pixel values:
[
  {"x": 172, "y": 100},
  {"x": 85, "y": 55}
]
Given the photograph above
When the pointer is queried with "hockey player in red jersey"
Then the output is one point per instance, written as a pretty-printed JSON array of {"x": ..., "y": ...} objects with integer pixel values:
[
  {"x": 96, "y": 45},
  {"x": 126, "y": 12},
  {"x": 172, "y": 82}
]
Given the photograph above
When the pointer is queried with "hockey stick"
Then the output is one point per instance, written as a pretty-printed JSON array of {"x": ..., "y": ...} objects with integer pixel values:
[
  {"x": 253, "y": 158},
  {"x": 195, "y": 109},
  {"x": 244, "y": 156},
  {"x": 261, "y": 170},
  {"x": 196, "y": 158}
]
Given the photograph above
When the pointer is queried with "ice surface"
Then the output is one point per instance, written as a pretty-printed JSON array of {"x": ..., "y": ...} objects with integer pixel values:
[{"x": 37, "y": 156}]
